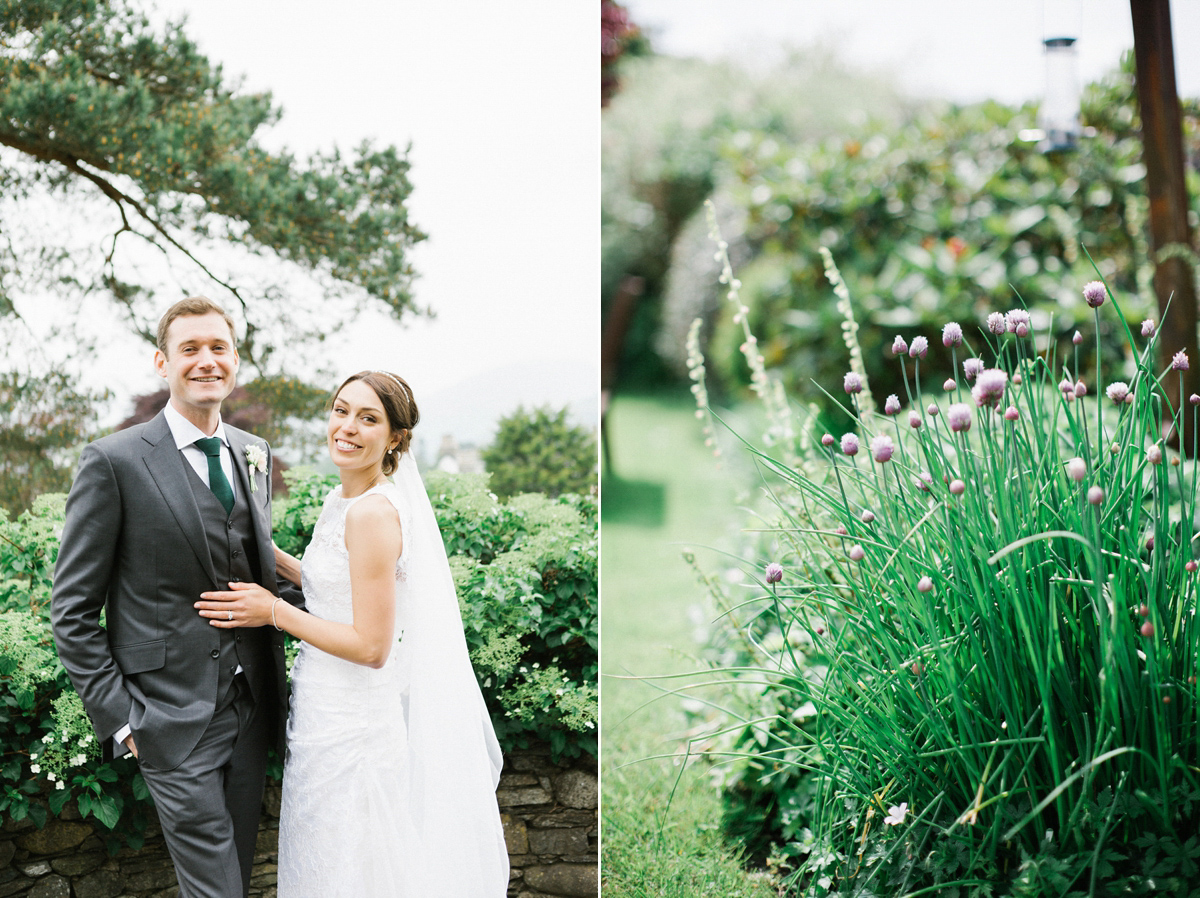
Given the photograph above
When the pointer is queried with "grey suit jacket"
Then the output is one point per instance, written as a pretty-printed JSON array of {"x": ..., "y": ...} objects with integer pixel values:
[{"x": 133, "y": 546}]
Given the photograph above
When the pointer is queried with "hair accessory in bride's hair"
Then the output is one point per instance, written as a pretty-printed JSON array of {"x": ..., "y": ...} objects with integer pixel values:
[
  {"x": 389, "y": 374},
  {"x": 398, "y": 382}
]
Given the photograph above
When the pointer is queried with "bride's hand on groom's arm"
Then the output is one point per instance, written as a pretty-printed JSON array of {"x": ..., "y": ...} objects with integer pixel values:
[{"x": 242, "y": 605}]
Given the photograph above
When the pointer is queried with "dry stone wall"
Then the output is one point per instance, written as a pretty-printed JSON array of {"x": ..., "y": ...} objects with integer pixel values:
[{"x": 550, "y": 824}]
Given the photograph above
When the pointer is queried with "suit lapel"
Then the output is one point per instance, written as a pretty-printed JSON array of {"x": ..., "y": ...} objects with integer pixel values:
[
  {"x": 260, "y": 510},
  {"x": 166, "y": 465}
]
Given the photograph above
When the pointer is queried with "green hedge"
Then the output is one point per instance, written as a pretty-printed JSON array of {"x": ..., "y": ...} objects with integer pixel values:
[{"x": 526, "y": 573}]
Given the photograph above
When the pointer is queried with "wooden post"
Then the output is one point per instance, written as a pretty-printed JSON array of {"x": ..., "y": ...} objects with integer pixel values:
[{"x": 1170, "y": 238}]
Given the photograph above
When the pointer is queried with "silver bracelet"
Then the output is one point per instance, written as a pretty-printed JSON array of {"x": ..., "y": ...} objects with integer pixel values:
[{"x": 275, "y": 625}]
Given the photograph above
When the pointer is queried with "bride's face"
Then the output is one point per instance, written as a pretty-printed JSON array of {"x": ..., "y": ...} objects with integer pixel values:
[{"x": 359, "y": 433}]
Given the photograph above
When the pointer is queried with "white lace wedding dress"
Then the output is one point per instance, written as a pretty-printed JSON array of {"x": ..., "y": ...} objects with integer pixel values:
[{"x": 389, "y": 783}]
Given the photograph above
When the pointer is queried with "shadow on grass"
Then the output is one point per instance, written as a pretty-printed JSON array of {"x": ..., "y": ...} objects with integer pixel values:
[{"x": 638, "y": 503}]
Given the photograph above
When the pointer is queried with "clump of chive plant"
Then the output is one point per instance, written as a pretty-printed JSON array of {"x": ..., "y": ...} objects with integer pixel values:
[{"x": 979, "y": 642}]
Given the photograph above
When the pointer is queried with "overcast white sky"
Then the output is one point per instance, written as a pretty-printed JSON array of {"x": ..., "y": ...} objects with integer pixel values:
[
  {"x": 963, "y": 50},
  {"x": 500, "y": 102}
]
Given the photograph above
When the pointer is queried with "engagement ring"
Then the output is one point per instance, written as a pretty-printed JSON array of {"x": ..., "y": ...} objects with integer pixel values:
[{"x": 231, "y": 615}]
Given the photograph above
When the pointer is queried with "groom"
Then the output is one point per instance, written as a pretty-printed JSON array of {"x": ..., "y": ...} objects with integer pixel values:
[{"x": 158, "y": 514}]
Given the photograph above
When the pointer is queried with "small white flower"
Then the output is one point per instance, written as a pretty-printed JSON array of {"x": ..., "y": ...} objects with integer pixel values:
[
  {"x": 47, "y": 739},
  {"x": 51, "y": 777},
  {"x": 896, "y": 814},
  {"x": 60, "y": 785},
  {"x": 256, "y": 461},
  {"x": 78, "y": 760},
  {"x": 35, "y": 768}
]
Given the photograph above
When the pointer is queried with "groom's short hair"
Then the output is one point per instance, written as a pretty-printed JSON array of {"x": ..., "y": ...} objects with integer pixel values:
[{"x": 192, "y": 305}]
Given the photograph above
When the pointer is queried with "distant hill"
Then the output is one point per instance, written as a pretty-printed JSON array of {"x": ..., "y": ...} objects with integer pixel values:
[{"x": 470, "y": 409}]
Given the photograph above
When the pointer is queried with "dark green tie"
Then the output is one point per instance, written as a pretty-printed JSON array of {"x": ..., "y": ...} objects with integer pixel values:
[{"x": 217, "y": 481}]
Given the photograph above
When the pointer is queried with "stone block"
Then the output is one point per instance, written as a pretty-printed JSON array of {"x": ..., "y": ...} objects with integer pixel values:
[
  {"x": 268, "y": 842},
  {"x": 151, "y": 879},
  {"x": 57, "y": 836},
  {"x": 563, "y": 817},
  {"x": 516, "y": 838},
  {"x": 100, "y": 884},
  {"x": 558, "y": 841},
  {"x": 7, "y": 850},
  {"x": 576, "y": 789},
  {"x": 512, "y": 780},
  {"x": 36, "y": 869},
  {"x": 79, "y": 863},
  {"x": 13, "y": 886},
  {"x": 510, "y": 798},
  {"x": 567, "y": 880},
  {"x": 51, "y": 886}
]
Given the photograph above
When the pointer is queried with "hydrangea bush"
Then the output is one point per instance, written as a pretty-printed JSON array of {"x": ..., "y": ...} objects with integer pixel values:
[{"x": 970, "y": 646}]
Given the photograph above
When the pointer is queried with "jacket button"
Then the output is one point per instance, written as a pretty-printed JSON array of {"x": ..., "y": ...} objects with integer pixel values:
[
  {"x": 237, "y": 639},
  {"x": 215, "y": 653}
]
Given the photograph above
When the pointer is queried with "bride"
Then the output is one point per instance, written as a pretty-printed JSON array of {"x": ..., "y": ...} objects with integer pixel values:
[{"x": 392, "y": 763}]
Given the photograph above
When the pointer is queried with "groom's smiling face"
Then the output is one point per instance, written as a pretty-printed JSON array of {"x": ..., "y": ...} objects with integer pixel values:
[{"x": 200, "y": 364}]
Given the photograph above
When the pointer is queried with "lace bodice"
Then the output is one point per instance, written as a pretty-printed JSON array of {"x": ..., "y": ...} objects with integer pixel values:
[{"x": 326, "y": 581}]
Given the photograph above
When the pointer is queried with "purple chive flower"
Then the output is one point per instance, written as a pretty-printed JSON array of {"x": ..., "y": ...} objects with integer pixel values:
[
  {"x": 827, "y": 440},
  {"x": 1017, "y": 321},
  {"x": 1080, "y": 390},
  {"x": 1147, "y": 629},
  {"x": 925, "y": 584},
  {"x": 997, "y": 324},
  {"x": 774, "y": 572},
  {"x": 1011, "y": 413},
  {"x": 849, "y": 444},
  {"x": 1077, "y": 469},
  {"x": 840, "y": 530},
  {"x": 1066, "y": 388},
  {"x": 1148, "y": 327},
  {"x": 857, "y": 553},
  {"x": 971, "y": 368},
  {"x": 1154, "y": 454},
  {"x": 868, "y": 516},
  {"x": 1077, "y": 338},
  {"x": 923, "y": 481},
  {"x": 1094, "y": 293},
  {"x": 932, "y": 410},
  {"x": 920, "y": 346},
  {"x": 899, "y": 346},
  {"x": 948, "y": 384},
  {"x": 891, "y": 405},
  {"x": 957, "y": 487},
  {"x": 1179, "y": 362},
  {"x": 914, "y": 420},
  {"x": 1194, "y": 399},
  {"x": 952, "y": 334},
  {"x": 882, "y": 448},
  {"x": 852, "y": 383},
  {"x": 989, "y": 387},
  {"x": 1190, "y": 567},
  {"x": 959, "y": 416},
  {"x": 1117, "y": 391},
  {"x": 1095, "y": 495}
]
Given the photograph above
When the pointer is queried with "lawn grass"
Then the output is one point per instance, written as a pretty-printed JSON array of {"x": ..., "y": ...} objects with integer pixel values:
[{"x": 660, "y": 830}]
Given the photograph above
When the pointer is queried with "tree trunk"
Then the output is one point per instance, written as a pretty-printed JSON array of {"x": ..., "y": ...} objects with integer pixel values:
[{"x": 1170, "y": 240}]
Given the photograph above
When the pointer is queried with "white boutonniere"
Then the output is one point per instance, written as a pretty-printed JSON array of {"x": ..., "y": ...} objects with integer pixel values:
[{"x": 256, "y": 461}]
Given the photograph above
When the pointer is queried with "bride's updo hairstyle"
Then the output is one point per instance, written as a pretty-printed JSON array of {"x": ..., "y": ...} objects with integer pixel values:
[{"x": 398, "y": 404}]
